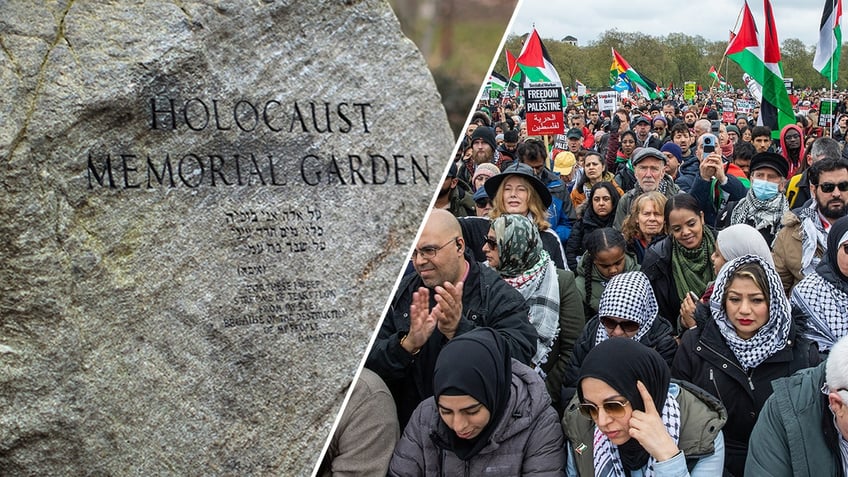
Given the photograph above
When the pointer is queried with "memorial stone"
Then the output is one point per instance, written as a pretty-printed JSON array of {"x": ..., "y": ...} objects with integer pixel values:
[{"x": 204, "y": 208}]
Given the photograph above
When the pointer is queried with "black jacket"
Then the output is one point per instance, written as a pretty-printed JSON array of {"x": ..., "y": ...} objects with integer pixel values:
[
  {"x": 576, "y": 244},
  {"x": 659, "y": 337},
  {"x": 704, "y": 359},
  {"x": 656, "y": 265},
  {"x": 487, "y": 300}
]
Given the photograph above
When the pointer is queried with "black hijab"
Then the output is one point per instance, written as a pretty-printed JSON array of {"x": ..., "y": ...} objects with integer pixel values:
[
  {"x": 589, "y": 215},
  {"x": 828, "y": 268},
  {"x": 477, "y": 364},
  {"x": 620, "y": 362}
]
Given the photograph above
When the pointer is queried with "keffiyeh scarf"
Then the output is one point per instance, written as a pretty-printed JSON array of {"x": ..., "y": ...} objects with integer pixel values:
[
  {"x": 628, "y": 296},
  {"x": 528, "y": 268},
  {"x": 769, "y": 339},
  {"x": 692, "y": 269},
  {"x": 813, "y": 236},
  {"x": 760, "y": 214}
]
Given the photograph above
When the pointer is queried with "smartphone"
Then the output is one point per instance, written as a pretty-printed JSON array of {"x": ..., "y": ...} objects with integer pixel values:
[
  {"x": 715, "y": 126},
  {"x": 709, "y": 144},
  {"x": 693, "y": 296}
]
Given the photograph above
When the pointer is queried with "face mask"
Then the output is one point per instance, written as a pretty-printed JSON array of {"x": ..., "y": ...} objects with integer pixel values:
[{"x": 764, "y": 190}]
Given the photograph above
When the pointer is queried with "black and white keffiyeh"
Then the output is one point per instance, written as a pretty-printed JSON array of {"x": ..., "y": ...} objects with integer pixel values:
[
  {"x": 763, "y": 215},
  {"x": 628, "y": 296},
  {"x": 823, "y": 295},
  {"x": 826, "y": 309},
  {"x": 606, "y": 459},
  {"x": 769, "y": 339},
  {"x": 813, "y": 236}
]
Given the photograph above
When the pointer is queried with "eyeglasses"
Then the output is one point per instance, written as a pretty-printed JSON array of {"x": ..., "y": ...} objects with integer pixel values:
[
  {"x": 492, "y": 243},
  {"x": 430, "y": 251},
  {"x": 827, "y": 187},
  {"x": 482, "y": 203},
  {"x": 613, "y": 409},
  {"x": 626, "y": 326}
]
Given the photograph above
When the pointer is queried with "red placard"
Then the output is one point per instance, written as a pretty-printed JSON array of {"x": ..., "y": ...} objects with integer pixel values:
[{"x": 543, "y": 108}]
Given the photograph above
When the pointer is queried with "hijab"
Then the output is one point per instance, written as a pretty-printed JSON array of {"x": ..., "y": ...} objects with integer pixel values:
[
  {"x": 742, "y": 239},
  {"x": 628, "y": 296},
  {"x": 528, "y": 268},
  {"x": 477, "y": 364},
  {"x": 829, "y": 267},
  {"x": 772, "y": 336},
  {"x": 620, "y": 362},
  {"x": 589, "y": 215}
]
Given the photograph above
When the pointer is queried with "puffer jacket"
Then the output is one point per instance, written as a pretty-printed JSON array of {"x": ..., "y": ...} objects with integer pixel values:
[
  {"x": 659, "y": 338},
  {"x": 527, "y": 441},
  {"x": 705, "y": 360}
]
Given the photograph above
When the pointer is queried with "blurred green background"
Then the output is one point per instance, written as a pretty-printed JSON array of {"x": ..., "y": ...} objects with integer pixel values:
[{"x": 459, "y": 40}]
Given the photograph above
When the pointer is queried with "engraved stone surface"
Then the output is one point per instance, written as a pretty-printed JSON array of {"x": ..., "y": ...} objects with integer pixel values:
[{"x": 204, "y": 207}]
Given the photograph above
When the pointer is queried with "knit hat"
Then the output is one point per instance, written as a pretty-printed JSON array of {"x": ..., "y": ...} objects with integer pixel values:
[
  {"x": 674, "y": 149},
  {"x": 486, "y": 169},
  {"x": 485, "y": 133},
  {"x": 660, "y": 118}
]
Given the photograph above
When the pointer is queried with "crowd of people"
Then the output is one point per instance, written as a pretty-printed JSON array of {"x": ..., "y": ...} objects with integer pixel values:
[{"x": 640, "y": 296}]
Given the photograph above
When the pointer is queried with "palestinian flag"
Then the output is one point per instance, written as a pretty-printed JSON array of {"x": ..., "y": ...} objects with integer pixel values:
[
  {"x": 764, "y": 67},
  {"x": 637, "y": 81},
  {"x": 497, "y": 81},
  {"x": 829, "y": 48},
  {"x": 715, "y": 75},
  {"x": 513, "y": 71},
  {"x": 535, "y": 62}
]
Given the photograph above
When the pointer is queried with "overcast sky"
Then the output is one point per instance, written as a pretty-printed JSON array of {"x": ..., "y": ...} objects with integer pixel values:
[{"x": 711, "y": 19}]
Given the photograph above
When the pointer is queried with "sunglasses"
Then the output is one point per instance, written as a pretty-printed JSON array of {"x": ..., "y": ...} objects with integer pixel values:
[
  {"x": 482, "y": 203},
  {"x": 626, "y": 326},
  {"x": 613, "y": 409},
  {"x": 827, "y": 187},
  {"x": 493, "y": 244}
]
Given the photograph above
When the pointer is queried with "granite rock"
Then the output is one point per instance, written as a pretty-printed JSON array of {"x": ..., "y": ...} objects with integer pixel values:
[{"x": 205, "y": 205}]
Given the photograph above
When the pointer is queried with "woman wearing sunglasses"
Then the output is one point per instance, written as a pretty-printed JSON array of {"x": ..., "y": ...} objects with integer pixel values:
[
  {"x": 821, "y": 298},
  {"x": 750, "y": 341},
  {"x": 630, "y": 419},
  {"x": 490, "y": 415},
  {"x": 514, "y": 248},
  {"x": 627, "y": 309}
]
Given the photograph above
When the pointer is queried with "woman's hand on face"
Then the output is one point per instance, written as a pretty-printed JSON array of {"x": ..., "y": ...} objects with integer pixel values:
[{"x": 647, "y": 427}]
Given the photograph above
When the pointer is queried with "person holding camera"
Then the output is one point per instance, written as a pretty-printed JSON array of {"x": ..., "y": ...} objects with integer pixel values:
[{"x": 718, "y": 181}]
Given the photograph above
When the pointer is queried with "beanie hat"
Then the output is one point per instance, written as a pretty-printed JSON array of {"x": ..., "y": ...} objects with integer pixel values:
[
  {"x": 486, "y": 134},
  {"x": 674, "y": 149}
]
